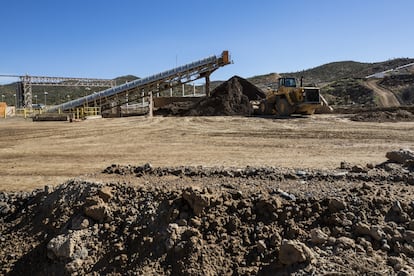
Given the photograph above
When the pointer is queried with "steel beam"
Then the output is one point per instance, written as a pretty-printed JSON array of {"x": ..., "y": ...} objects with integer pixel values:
[
  {"x": 30, "y": 81},
  {"x": 171, "y": 78}
]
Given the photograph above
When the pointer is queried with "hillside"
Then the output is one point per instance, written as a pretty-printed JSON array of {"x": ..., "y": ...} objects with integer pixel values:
[
  {"x": 321, "y": 75},
  {"x": 346, "y": 69},
  {"x": 348, "y": 91},
  {"x": 342, "y": 83},
  {"x": 402, "y": 85}
]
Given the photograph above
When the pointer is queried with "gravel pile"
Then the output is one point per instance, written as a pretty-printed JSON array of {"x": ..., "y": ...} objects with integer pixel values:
[
  {"x": 228, "y": 99},
  {"x": 384, "y": 116},
  {"x": 216, "y": 221}
]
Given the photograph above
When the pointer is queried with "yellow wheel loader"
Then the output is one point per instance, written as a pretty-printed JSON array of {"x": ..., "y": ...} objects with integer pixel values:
[{"x": 291, "y": 98}]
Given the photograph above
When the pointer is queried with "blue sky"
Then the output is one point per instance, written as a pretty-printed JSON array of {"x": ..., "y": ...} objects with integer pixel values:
[{"x": 107, "y": 39}]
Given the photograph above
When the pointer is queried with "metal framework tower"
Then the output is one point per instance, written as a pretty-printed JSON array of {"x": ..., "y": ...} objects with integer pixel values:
[{"x": 24, "y": 91}]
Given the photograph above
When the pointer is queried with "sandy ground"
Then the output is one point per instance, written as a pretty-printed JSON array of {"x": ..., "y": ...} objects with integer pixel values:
[{"x": 38, "y": 153}]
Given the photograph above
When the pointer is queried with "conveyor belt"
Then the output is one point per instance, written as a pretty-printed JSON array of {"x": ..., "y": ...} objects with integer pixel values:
[{"x": 174, "y": 77}]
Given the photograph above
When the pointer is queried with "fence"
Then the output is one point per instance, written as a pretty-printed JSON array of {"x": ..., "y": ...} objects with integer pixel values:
[
  {"x": 3, "y": 110},
  {"x": 78, "y": 113}
]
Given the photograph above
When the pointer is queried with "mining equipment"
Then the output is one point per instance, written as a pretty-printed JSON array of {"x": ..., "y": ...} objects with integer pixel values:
[
  {"x": 146, "y": 87},
  {"x": 291, "y": 98}
]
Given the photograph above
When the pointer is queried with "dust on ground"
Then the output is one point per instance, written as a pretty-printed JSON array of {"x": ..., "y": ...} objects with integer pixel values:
[
  {"x": 254, "y": 196},
  {"x": 38, "y": 153}
]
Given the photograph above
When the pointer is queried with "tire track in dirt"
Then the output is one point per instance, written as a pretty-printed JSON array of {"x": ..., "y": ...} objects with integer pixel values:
[{"x": 386, "y": 98}]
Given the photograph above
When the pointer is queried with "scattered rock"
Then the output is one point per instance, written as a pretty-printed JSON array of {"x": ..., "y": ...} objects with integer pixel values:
[
  {"x": 227, "y": 221},
  {"x": 359, "y": 169},
  {"x": 5, "y": 208},
  {"x": 261, "y": 246},
  {"x": 98, "y": 212},
  {"x": 196, "y": 200},
  {"x": 346, "y": 242},
  {"x": 362, "y": 229},
  {"x": 286, "y": 195},
  {"x": 376, "y": 233},
  {"x": 60, "y": 247},
  {"x": 345, "y": 165},
  {"x": 69, "y": 246},
  {"x": 292, "y": 252},
  {"x": 409, "y": 236},
  {"x": 318, "y": 236},
  {"x": 105, "y": 193},
  {"x": 336, "y": 205},
  {"x": 147, "y": 167},
  {"x": 79, "y": 223},
  {"x": 400, "y": 156},
  {"x": 411, "y": 225}
]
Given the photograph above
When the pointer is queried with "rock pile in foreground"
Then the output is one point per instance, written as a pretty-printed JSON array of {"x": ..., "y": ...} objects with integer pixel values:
[{"x": 215, "y": 221}]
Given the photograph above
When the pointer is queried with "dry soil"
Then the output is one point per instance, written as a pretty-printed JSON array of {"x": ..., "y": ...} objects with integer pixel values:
[
  {"x": 272, "y": 197},
  {"x": 38, "y": 153}
]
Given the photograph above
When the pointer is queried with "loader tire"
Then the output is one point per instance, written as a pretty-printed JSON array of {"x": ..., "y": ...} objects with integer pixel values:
[
  {"x": 283, "y": 108},
  {"x": 264, "y": 108}
]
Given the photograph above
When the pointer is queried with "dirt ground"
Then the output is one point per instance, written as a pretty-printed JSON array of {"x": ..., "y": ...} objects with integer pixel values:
[
  {"x": 38, "y": 153},
  {"x": 317, "y": 195},
  {"x": 386, "y": 98}
]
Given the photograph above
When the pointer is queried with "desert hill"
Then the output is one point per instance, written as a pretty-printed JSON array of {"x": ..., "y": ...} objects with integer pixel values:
[
  {"x": 347, "y": 69},
  {"x": 342, "y": 83}
]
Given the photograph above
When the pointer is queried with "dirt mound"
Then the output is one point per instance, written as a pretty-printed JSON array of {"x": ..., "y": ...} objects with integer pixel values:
[
  {"x": 230, "y": 98},
  {"x": 380, "y": 116},
  {"x": 247, "y": 88},
  {"x": 215, "y": 221}
]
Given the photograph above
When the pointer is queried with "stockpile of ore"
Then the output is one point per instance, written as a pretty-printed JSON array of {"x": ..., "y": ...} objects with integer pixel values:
[{"x": 228, "y": 99}]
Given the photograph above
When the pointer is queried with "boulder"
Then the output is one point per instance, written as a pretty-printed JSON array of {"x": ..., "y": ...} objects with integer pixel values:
[
  {"x": 400, "y": 156},
  {"x": 346, "y": 242},
  {"x": 318, "y": 236},
  {"x": 105, "y": 193},
  {"x": 376, "y": 233},
  {"x": 293, "y": 251},
  {"x": 196, "y": 200},
  {"x": 60, "y": 247},
  {"x": 336, "y": 205},
  {"x": 69, "y": 246},
  {"x": 362, "y": 229},
  {"x": 97, "y": 212}
]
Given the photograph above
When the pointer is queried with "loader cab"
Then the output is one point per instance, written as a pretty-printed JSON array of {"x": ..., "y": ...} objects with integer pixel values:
[{"x": 288, "y": 82}]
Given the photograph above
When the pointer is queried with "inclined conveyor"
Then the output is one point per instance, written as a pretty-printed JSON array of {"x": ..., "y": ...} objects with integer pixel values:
[{"x": 174, "y": 77}]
